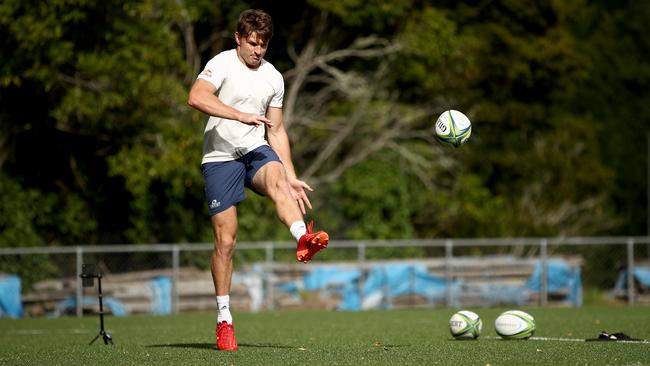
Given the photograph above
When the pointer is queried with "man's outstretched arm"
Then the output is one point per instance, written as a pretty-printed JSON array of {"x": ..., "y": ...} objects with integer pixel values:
[
  {"x": 279, "y": 141},
  {"x": 202, "y": 98}
]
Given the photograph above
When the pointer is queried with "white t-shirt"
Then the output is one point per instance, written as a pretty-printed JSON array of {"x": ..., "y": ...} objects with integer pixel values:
[{"x": 247, "y": 90}]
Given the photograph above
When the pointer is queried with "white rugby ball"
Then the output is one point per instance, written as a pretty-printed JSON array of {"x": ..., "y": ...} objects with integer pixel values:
[
  {"x": 453, "y": 128},
  {"x": 465, "y": 324},
  {"x": 515, "y": 324}
]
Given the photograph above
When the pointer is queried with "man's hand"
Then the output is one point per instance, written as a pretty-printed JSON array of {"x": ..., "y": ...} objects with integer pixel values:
[
  {"x": 298, "y": 192},
  {"x": 254, "y": 120}
]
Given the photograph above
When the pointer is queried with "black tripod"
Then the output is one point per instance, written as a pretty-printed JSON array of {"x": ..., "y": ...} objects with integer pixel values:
[{"x": 87, "y": 274}]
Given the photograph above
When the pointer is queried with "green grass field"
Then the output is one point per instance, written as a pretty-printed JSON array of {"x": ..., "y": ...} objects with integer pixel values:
[{"x": 397, "y": 337}]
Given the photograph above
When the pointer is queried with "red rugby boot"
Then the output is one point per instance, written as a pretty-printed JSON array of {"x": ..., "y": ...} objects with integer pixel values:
[
  {"x": 311, "y": 243},
  {"x": 226, "y": 337}
]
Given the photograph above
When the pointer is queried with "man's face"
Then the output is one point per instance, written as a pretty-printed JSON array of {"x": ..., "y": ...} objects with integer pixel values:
[{"x": 251, "y": 49}]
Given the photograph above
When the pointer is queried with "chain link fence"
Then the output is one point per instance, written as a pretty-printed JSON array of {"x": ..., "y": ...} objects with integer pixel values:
[{"x": 349, "y": 275}]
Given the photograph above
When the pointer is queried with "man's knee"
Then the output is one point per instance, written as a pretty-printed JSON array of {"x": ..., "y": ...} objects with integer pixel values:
[
  {"x": 281, "y": 186},
  {"x": 271, "y": 178},
  {"x": 224, "y": 247}
]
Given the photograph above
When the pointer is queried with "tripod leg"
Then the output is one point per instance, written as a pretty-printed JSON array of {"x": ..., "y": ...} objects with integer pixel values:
[{"x": 105, "y": 336}]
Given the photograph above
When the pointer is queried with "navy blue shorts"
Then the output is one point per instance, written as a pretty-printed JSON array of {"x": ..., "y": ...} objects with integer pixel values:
[{"x": 225, "y": 180}]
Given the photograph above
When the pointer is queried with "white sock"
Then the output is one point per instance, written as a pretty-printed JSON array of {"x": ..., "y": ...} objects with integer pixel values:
[
  {"x": 298, "y": 229},
  {"x": 223, "y": 309}
]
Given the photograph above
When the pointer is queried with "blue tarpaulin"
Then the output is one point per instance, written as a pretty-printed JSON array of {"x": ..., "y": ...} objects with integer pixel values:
[
  {"x": 342, "y": 280},
  {"x": 561, "y": 278},
  {"x": 10, "y": 302},
  {"x": 384, "y": 282},
  {"x": 388, "y": 281},
  {"x": 160, "y": 300},
  {"x": 161, "y": 295},
  {"x": 641, "y": 275},
  {"x": 70, "y": 304}
]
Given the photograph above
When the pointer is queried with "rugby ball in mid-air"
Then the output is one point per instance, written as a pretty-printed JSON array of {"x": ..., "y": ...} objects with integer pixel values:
[
  {"x": 515, "y": 324},
  {"x": 465, "y": 324},
  {"x": 453, "y": 128}
]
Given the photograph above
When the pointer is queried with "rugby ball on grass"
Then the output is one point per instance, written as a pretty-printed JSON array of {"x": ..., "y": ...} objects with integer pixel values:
[
  {"x": 515, "y": 324},
  {"x": 465, "y": 324}
]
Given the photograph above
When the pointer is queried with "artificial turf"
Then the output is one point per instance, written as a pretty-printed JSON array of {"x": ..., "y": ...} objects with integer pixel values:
[{"x": 390, "y": 337}]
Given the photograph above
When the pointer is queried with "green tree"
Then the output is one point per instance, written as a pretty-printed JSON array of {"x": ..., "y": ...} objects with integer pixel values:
[
  {"x": 543, "y": 160},
  {"x": 613, "y": 36},
  {"x": 94, "y": 123}
]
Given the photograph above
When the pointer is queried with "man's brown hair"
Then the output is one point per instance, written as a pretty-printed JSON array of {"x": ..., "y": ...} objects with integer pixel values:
[{"x": 255, "y": 21}]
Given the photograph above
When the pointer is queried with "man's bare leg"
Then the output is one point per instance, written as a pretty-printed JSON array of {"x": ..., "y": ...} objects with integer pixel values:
[
  {"x": 224, "y": 225},
  {"x": 271, "y": 180}
]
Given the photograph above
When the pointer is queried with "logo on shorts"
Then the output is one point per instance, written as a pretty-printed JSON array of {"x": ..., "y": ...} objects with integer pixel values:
[{"x": 214, "y": 204}]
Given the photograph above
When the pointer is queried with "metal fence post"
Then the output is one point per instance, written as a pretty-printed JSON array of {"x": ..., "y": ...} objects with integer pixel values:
[
  {"x": 630, "y": 271},
  {"x": 449, "y": 252},
  {"x": 79, "y": 260},
  {"x": 269, "y": 276},
  {"x": 543, "y": 296},
  {"x": 361, "y": 258},
  {"x": 175, "y": 275}
]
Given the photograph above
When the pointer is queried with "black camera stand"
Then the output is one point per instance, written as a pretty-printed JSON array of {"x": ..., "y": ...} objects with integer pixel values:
[{"x": 87, "y": 275}]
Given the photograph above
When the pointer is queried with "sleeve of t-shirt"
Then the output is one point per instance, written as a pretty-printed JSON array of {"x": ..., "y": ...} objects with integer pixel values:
[
  {"x": 276, "y": 101},
  {"x": 214, "y": 71}
]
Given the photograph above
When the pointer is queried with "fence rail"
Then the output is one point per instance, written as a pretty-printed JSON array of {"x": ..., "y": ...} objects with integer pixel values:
[{"x": 361, "y": 247}]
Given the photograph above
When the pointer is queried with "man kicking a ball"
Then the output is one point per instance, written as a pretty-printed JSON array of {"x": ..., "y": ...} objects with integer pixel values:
[{"x": 242, "y": 93}]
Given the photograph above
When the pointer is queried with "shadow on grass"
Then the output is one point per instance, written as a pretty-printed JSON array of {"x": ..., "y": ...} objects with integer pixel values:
[
  {"x": 211, "y": 346},
  {"x": 184, "y": 345},
  {"x": 265, "y": 345}
]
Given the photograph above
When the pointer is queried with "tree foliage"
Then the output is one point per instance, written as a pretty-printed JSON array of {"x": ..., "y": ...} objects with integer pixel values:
[{"x": 97, "y": 144}]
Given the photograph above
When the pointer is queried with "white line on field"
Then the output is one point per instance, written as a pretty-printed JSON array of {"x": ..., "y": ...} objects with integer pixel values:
[
  {"x": 44, "y": 331},
  {"x": 557, "y": 339},
  {"x": 547, "y": 339},
  {"x": 569, "y": 340}
]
